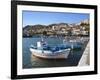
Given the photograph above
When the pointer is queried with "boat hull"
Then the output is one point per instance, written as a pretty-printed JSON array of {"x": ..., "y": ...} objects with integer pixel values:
[{"x": 62, "y": 54}]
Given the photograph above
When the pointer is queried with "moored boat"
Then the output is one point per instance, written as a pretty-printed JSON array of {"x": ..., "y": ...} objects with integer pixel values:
[
  {"x": 48, "y": 54},
  {"x": 43, "y": 50},
  {"x": 60, "y": 51}
]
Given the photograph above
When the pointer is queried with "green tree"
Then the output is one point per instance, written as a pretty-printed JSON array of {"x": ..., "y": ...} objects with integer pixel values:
[{"x": 44, "y": 33}]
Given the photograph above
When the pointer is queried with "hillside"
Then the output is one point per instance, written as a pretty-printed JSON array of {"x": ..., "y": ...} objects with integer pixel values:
[{"x": 57, "y": 29}]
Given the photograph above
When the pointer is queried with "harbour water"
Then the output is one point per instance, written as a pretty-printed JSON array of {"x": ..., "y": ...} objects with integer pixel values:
[{"x": 30, "y": 61}]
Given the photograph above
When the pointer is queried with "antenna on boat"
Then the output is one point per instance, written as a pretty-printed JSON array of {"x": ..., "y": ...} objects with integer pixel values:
[
  {"x": 72, "y": 46},
  {"x": 64, "y": 40},
  {"x": 42, "y": 39}
]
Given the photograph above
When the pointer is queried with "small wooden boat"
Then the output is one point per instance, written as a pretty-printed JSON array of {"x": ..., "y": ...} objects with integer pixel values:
[{"x": 44, "y": 51}]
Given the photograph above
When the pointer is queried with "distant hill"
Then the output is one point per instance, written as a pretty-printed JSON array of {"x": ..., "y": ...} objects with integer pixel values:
[{"x": 31, "y": 30}]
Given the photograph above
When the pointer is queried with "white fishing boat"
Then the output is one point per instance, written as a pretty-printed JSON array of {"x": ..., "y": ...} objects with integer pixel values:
[{"x": 42, "y": 50}]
